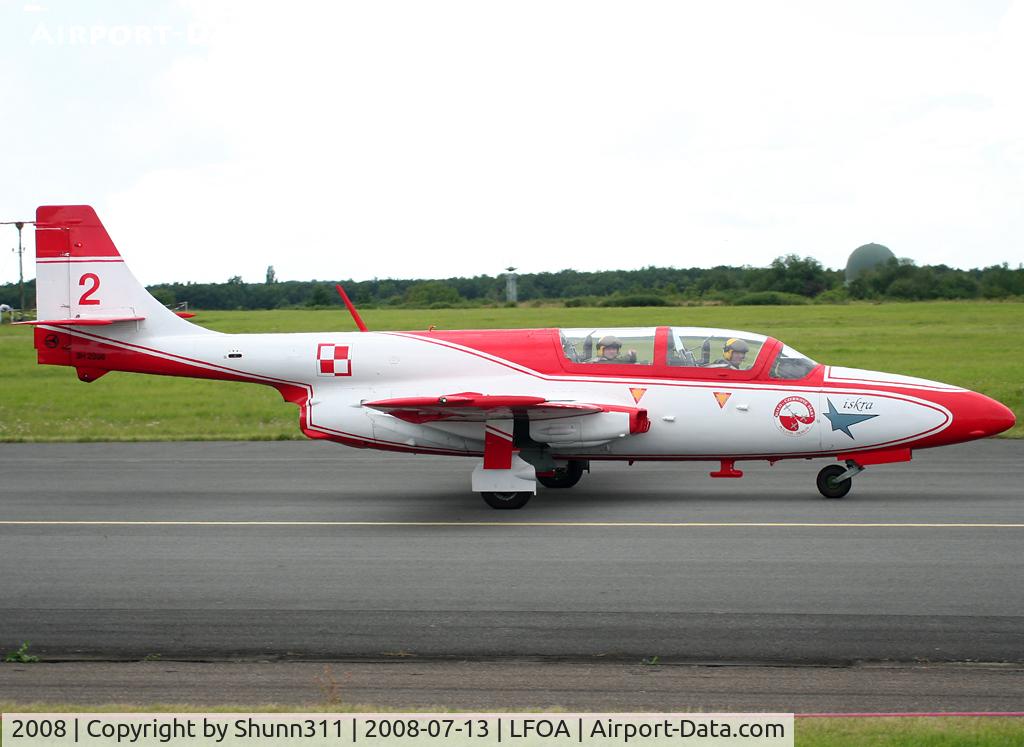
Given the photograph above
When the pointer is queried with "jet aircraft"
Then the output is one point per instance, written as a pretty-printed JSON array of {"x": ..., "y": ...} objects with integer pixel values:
[{"x": 529, "y": 405}]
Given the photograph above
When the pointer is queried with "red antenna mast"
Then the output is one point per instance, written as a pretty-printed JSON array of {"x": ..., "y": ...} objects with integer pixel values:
[{"x": 351, "y": 309}]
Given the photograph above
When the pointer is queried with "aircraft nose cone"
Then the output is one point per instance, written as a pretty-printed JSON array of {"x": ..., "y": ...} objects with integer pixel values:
[{"x": 987, "y": 417}]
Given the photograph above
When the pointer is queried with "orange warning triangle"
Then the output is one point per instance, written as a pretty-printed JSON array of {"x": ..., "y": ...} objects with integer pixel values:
[
  {"x": 722, "y": 398},
  {"x": 637, "y": 393}
]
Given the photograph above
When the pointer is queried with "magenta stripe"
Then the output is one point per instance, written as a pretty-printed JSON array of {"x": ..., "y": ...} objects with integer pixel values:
[
  {"x": 921, "y": 714},
  {"x": 66, "y": 261}
]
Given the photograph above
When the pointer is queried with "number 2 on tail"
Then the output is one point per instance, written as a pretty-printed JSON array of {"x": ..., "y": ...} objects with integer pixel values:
[{"x": 85, "y": 300}]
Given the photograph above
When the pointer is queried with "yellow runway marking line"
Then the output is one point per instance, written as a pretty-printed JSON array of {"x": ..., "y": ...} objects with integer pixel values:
[{"x": 581, "y": 524}]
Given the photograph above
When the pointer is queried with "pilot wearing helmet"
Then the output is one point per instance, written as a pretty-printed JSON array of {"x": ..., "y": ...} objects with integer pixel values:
[
  {"x": 734, "y": 352},
  {"x": 609, "y": 349}
]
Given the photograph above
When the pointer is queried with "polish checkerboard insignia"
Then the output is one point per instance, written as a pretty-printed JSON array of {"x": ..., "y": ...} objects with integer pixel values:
[{"x": 332, "y": 360}]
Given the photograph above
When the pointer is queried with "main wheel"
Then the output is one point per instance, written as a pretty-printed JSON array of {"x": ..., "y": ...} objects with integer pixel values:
[
  {"x": 564, "y": 477},
  {"x": 828, "y": 486},
  {"x": 510, "y": 499}
]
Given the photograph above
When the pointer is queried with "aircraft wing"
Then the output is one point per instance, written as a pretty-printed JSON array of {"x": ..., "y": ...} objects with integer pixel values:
[{"x": 474, "y": 407}]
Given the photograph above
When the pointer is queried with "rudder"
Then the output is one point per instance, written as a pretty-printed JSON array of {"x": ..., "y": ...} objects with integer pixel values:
[{"x": 81, "y": 277}]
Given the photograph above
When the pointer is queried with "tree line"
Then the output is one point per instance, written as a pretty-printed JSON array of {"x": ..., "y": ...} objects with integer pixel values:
[{"x": 788, "y": 280}]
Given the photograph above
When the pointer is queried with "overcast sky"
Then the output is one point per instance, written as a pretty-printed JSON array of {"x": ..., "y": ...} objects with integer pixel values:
[{"x": 430, "y": 139}]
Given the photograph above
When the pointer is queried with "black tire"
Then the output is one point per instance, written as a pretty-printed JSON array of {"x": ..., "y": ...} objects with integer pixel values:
[
  {"x": 564, "y": 477},
  {"x": 827, "y": 484},
  {"x": 507, "y": 499}
]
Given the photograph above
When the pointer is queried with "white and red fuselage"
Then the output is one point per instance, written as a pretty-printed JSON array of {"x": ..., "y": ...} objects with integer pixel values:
[{"x": 525, "y": 401}]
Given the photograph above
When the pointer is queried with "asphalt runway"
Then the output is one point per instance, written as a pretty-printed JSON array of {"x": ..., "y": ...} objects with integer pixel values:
[
  {"x": 486, "y": 686},
  {"x": 922, "y": 562}
]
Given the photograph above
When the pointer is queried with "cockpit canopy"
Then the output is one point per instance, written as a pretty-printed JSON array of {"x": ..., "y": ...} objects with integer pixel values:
[
  {"x": 687, "y": 351},
  {"x": 609, "y": 345},
  {"x": 713, "y": 348},
  {"x": 789, "y": 364}
]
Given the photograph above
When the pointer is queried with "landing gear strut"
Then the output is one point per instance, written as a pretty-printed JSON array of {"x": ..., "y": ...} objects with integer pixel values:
[
  {"x": 564, "y": 477},
  {"x": 835, "y": 480},
  {"x": 503, "y": 479}
]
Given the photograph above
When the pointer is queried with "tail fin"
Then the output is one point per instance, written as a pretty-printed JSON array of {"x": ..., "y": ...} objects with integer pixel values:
[{"x": 82, "y": 280}]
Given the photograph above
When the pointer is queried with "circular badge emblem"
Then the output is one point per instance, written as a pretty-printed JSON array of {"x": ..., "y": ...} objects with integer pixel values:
[{"x": 794, "y": 415}]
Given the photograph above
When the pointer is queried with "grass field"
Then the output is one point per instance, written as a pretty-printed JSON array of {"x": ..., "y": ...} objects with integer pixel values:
[
  {"x": 971, "y": 344},
  {"x": 909, "y": 732}
]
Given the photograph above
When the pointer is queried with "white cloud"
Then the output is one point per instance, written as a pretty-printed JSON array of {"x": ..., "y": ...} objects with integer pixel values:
[{"x": 414, "y": 139}]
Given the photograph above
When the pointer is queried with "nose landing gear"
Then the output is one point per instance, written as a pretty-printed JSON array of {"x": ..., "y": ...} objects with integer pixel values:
[{"x": 835, "y": 480}]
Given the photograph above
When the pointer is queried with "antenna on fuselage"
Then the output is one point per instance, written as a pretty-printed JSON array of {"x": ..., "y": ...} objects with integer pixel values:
[{"x": 351, "y": 309}]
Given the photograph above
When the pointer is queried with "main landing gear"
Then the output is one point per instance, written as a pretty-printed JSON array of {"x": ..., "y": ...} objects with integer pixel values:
[
  {"x": 564, "y": 476},
  {"x": 507, "y": 499},
  {"x": 507, "y": 485},
  {"x": 835, "y": 480},
  {"x": 505, "y": 480}
]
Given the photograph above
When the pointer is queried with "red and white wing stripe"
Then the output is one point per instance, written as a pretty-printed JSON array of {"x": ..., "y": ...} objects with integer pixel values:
[{"x": 476, "y": 408}]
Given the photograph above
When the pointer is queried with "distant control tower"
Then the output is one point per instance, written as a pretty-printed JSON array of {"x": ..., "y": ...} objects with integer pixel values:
[{"x": 511, "y": 293}]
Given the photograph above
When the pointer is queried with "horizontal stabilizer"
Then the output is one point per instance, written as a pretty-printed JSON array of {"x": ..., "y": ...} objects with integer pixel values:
[{"x": 86, "y": 321}]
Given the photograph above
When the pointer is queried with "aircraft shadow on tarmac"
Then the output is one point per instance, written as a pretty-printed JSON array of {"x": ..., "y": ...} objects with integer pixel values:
[{"x": 658, "y": 503}]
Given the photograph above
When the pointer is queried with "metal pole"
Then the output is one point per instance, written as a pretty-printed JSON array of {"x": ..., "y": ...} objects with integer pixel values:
[{"x": 21, "y": 278}]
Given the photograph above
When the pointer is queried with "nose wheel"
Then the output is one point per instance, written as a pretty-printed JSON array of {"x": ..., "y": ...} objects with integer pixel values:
[
  {"x": 828, "y": 484},
  {"x": 835, "y": 480}
]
